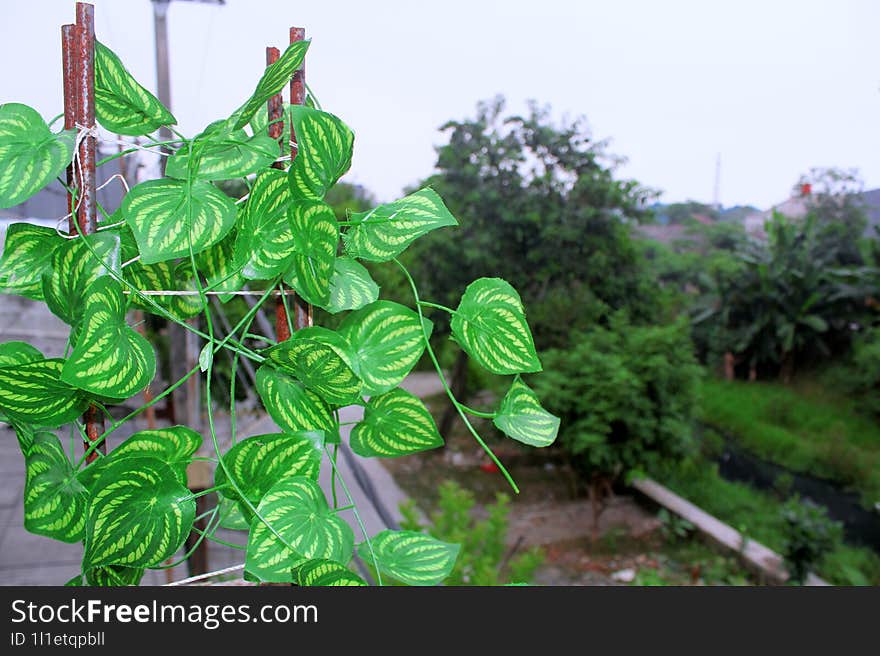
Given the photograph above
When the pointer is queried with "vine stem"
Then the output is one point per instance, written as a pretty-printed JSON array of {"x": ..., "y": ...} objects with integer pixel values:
[
  {"x": 458, "y": 406},
  {"x": 437, "y": 306},
  {"x": 478, "y": 413}
]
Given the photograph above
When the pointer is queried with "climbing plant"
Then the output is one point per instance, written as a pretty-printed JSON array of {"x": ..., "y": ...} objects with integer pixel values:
[{"x": 173, "y": 243}]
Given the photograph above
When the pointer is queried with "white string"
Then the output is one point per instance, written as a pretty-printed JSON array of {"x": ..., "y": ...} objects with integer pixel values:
[
  {"x": 241, "y": 292},
  {"x": 207, "y": 575}
]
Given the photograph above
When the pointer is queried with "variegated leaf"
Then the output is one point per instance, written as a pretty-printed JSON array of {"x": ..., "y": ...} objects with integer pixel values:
[
  {"x": 12, "y": 353},
  {"x": 386, "y": 343},
  {"x": 490, "y": 325},
  {"x": 27, "y": 255},
  {"x": 76, "y": 264},
  {"x": 396, "y": 423},
  {"x": 351, "y": 286},
  {"x": 324, "y": 148},
  {"x": 275, "y": 77},
  {"x": 231, "y": 517},
  {"x": 33, "y": 394},
  {"x": 322, "y": 573},
  {"x": 293, "y": 407},
  {"x": 259, "y": 124},
  {"x": 319, "y": 367},
  {"x": 110, "y": 359},
  {"x": 264, "y": 243},
  {"x": 411, "y": 557},
  {"x": 315, "y": 238},
  {"x": 138, "y": 515},
  {"x": 185, "y": 306},
  {"x": 169, "y": 216},
  {"x": 218, "y": 266},
  {"x": 114, "y": 576},
  {"x": 31, "y": 156},
  {"x": 384, "y": 232},
  {"x": 297, "y": 511},
  {"x": 151, "y": 277},
  {"x": 222, "y": 153},
  {"x": 174, "y": 445},
  {"x": 54, "y": 500},
  {"x": 121, "y": 104},
  {"x": 522, "y": 417},
  {"x": 256, "y": 463}
]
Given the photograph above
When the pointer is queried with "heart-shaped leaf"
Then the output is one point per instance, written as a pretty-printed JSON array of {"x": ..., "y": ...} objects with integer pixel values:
[
  {"x": 322, "y": 573},
  {"x": 319, "y": 367},
  {"x": 222, "y": 154},
  {"x": 231, "y": 517},
  {"x": 27, "y": 255},
  {"x": 110, "y": 360},
  {"x": 490, "y": 325},
  {"x": 384, "y": 232},
  {"x": 218, "y": 266},
  {"x": 33, "y": 394},
  {"x": 386, "y": 343},
  {"x": 396, "y": 423},
  {"x": 273, "y": 80},
  {"x": 315, "y": 237},
  {"x": 18, "y": 353},
  {"x": 264, "y": 242},
  {"x": 297, "y": 511},
  {"x": 114, "y": 576},
  {"x": 174, "y": 445},
  {"x": 256, "y": 463},
  {"x": 522, "y": 417},
  {"x": 293, "y": 407},
  {"x": 323, "y": 155},
  {"x": 151, "y": 277},
  {"x": 139, "y": 514},
  {"x": 121, "y": 104},
  {"x": 76, "y": 264},
  {"x": 168, "y": 216},
  {"x": 54, "y": 500},
  {"x": 31, "y": 156},
  {"x": 411, "y": 557}
]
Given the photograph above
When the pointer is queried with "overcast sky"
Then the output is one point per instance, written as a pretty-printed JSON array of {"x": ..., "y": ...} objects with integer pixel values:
[{"x": 774, "y": 87}]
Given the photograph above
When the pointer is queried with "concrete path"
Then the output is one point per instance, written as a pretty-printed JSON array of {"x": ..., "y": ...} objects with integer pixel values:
[{"x": 27, "y": 559}]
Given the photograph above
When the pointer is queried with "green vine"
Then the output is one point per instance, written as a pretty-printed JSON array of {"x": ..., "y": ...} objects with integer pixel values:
[{"x": 172, "y": 245}]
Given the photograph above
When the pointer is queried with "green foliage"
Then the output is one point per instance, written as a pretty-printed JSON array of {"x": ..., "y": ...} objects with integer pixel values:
[
  {"x": 626, "y": 395},
  {"x": 228, "y": 217},
  {"x": 859, "y": 374},
  {"x": 809, "y": 536},
  {"x": 484, "y": 558}
]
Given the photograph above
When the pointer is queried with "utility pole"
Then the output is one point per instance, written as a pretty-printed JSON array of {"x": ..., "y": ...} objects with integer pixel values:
[{"x": 183, "y": 344}]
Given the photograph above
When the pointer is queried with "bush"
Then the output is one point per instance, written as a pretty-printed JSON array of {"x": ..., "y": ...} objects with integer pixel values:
[
  {"x": 809, "y": 535},
  {"x": 484, "y": 551},
  {"x": 863, "y": 379},
  {"x": 626, "y": 395}
]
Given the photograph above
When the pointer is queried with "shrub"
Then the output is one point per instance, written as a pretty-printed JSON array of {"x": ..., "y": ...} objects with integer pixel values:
[{"x": 809, "y": 535}]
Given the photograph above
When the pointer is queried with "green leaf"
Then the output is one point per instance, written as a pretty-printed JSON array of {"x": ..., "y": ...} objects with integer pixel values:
[
  {"x": 319, "y": 367},
  {"x": 222, "y": 154},
  {"x": 33, "y": 394},
  {"x": 256, "y": 463},
  {"x": 151, "y": 277},
  {"x": 324, "y": 149},
  {"x": 275, "y": 77},
  {"x": 138, "y": 516},
  {"x": 522, "y": 417},
  {"x": 54, "y": 500},
  {"x": 490, "y": 325},
  {"x": 411, "y": 557},
  {"x": 121, "y": 104},
  {"x": 74, "y": 268},
  {"x": 815, "y": 322},
  {"x": 167, "y": 216},
  {"x": 386, "y": 343},
  {"x": 351, "y": 286},
  {"x": 396, "y": 423},
  {"x": 174, "y": 445},
  {"x": 231, "y": 517},
  {"x": 315, "y": 237},
  {"x": 27, "y": 254},
  {"x": 12, "y": 353},
  {"x": 110, "y": 359},
  {"x": 260, "y": 123},
  {"x": 31, "y": 156},
  {"x": 321, "y": 572},
  {"x": 206, "y": 357},
  {"x": 293, "y": 407},
  {"x": 384, "y": 232},
  {"x": 113, "y": 576},
  {"x": 264, "y": 243},
  {"x": 296, "y": 510},
  {"x": 185, "y": 306},
  {"x": 219, "y": 268}
]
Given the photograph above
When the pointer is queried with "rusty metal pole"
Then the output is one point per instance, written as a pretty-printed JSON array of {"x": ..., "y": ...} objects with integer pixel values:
[
  {"x": 302, "y": 311},
  {"x": 78, "y": 61}
]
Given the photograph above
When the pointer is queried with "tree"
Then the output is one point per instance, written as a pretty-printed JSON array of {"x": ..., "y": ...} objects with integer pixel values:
[{"x": 539, "y": 205}]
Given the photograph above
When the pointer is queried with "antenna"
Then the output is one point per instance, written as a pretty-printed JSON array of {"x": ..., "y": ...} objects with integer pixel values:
[{"x": 716, "y": 196}]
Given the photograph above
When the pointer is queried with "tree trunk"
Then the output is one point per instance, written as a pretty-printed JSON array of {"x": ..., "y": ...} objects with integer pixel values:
[{"x": 459, "y": 389}]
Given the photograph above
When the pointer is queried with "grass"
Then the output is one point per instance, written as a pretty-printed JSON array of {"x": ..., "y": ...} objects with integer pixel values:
[
  {"x": 757, "y": 514},
  {"x": 804, "y": 427}
]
